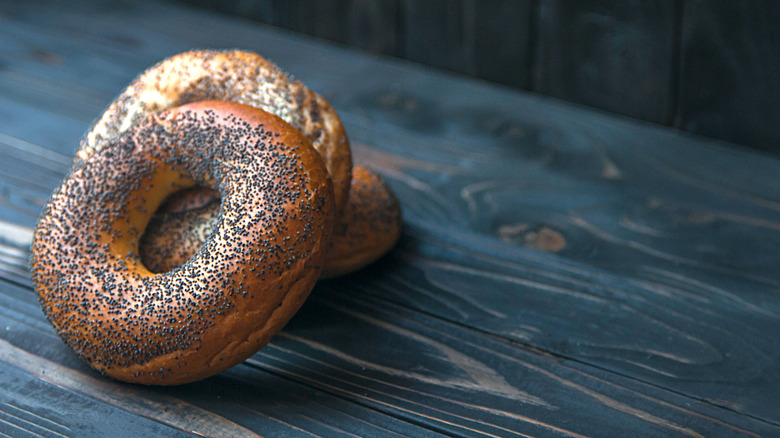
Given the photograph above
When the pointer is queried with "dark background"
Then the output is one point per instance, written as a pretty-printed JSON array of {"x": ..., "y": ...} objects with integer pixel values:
[{"x": 709, "y": 67}]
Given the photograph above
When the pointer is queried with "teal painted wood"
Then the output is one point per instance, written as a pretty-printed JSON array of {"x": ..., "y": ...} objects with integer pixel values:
[
  {"x": 41, "y": 375},
  {"x": 707, "y": 67},
  {"x": 32, "y": 407},
  {"x": 558, "y": 264}
]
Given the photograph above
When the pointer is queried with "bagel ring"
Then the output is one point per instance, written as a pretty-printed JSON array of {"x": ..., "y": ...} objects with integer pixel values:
[
  {"x": 230, "y": 76},
  {"x": 369, "y": 224},
  {"x": 245, "y": 77},
  {"x": 239, "y": 289}
]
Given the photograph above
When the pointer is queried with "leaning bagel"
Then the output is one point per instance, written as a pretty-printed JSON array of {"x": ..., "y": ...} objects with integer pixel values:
[
  {"x": 230, "y": 76},
  {"x": 368, "y": 227},
  {"x": 239, "y": 288}
]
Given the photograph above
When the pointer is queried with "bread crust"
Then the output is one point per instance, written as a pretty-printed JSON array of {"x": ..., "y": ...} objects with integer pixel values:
[
  {"x": 185, "y": 221},
  {"x": 239, "y": 288},
  {"x": 231, "y": 76},
  {"x": 369, "y": 226}
]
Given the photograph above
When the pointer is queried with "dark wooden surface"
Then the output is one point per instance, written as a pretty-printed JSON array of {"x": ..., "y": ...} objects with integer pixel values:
[
  {"x": 730, "y": 72},
  {"x": 711, "y": 67},
  {"x": 618, "y": 56},
  {"x": 562, "y": 272}
]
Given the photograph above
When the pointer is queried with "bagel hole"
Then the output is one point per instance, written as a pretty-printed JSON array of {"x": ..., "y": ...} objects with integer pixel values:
[
  {"x": 179, "y": 227},
  {"x": 192, "y": 198}
]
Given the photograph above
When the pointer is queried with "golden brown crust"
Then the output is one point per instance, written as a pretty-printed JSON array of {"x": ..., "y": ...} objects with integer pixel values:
[
  {"x": 174, "y": 236},
  {"x": 238, "y": 289},
  {"x": 368, "y": 228},
  {"x": 243, "y": 77},
  {"x": 232, "y": 76}
]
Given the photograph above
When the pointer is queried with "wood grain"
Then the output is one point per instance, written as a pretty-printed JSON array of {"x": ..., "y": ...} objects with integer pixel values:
[
  {"x": 443, "y": 377},
  {"x": 228, "y": 405},
  {"x": 558, "y": 265},
  {"x": 709, "y": 67},
  {"x": 31, "y": 407}
]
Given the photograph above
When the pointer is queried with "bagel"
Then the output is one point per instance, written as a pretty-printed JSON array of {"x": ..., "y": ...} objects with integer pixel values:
[
  {"x": 175, "y": 234},
  {"x": 368, "y": 227},
  {"x": 239, "y": 289},
  {"x": 230, "y": 76}
]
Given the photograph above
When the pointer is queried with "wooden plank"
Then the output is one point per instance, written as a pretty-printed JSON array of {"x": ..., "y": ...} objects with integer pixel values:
[
  {"x": 632, "y": 232},
  {"x": 440, "y": 376},
  {"x": 370, "y": 25},
  {"x": 232, "y": 404},
  {"x": 502, "y": 47},
  {"x": 489, "y": 40},
  {"x": 494, "y": 36},
  {"x": 31, "y": 407},
  {"x": 617, "y": 56},
  {"x": 440, "y": 33},
  {"x": 730, "y": 72},
  {"x": 293, "y": 15},
  {"x": 488, "y": 368},
  {"x": 517, "y": 391},
  {"x": 256, "y": 10}
]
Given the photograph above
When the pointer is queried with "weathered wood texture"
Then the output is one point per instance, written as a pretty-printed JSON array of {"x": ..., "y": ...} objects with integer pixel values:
[
  {"x": 730, "y": 72},
  {"x": 710, "y": 67},
  {"x": 369, "y": 25},
  {"x": 618, "y": 56},
  {"x": 483, "y": 40},
  {"x": 561, "y": 273}
]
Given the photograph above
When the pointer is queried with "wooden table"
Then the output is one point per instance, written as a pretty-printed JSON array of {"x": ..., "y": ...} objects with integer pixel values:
[{"x": 562, "y": 272}]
